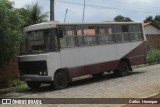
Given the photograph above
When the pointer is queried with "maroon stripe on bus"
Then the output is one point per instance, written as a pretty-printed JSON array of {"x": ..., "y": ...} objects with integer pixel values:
[{"x": 93, "y": 69}]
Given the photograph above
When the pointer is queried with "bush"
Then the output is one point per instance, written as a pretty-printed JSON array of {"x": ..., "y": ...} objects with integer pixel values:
[
  {"x": 11, "y": 34},
  {"x": 15, "y": 83},
  {"x": 12, "y": 81},
  {"x": 153, "y": 56}
]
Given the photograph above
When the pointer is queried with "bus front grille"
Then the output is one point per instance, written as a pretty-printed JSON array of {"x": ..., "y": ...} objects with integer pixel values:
[{"x": 33, "y": 68}]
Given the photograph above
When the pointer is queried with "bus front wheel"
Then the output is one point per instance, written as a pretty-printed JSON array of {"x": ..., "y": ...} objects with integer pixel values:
[
  {"x": 122, "y": 70},
  {"x": 60, "y": 80},
  {"x": 33, "y": 85}
]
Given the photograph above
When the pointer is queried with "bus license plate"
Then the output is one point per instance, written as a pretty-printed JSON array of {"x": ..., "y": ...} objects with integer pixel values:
[{"x": 27, "y": 79}]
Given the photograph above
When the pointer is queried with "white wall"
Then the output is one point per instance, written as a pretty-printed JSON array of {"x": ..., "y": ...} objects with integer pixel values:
[{"x": 151, "y": 30}]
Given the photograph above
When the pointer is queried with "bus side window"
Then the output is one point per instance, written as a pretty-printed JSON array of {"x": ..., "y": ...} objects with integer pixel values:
[
  {"x": 139, "y": 33},
  {"x": 86, "y": 35},
  {"x": 125, "y": 31},
  {"x": 132, "y": 32},
  {"x": 118, "y": 33},
  {"x": 67, "y": 36},
  {"x": 105, "y": 34},
  {"x": 136, "y": 32},
  {"x": 122, "y": 33}
]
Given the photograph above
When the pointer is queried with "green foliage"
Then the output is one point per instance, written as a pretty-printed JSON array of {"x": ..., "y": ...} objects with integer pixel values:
[
  {"x": 121, "y": 18},
  {"x": 155, "y": 20},
  {"x": 12, "y": 86},
  {"x": 35, "y": 13},
  {"x": 153, "y": 56},
  {"x": 10, "y": 31},
  {"x": 32, "y": 14},
  {"x": 14, "y": 83},
  {"x": 12, "y": 80},
  {"x": 12, "y": 21},
  {"x": 23, "y": 14}
]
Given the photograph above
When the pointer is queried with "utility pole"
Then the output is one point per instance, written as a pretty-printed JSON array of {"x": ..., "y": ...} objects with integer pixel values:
[
  {"x": 84, "y": 10},
  {"x": 52, "y": 10},
  {"x": 65, "y": 15}
]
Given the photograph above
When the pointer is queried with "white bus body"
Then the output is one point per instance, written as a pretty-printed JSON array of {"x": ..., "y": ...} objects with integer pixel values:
[{"x": 80, "y": 54}]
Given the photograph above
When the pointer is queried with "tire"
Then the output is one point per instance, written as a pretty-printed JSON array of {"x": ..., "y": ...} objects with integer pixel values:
[
  {"x": 123, "y": 69},
  {"x": 60, "y": 80},
  {"x": 33, "y": 85},
  {"x": 98, "y": 75}
]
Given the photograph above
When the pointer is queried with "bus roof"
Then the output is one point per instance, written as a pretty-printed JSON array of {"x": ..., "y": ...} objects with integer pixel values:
[{"x": 53, "y": 24}]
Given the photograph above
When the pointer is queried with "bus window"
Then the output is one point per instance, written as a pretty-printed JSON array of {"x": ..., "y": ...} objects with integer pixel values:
[
  {"x": 125, "y": 28},
  {"x": 118, "y": 33},
  {"x": 125, "y": 31},
  {"x": 40, "y": 41},
  {"x": 122, "y": 33},
  {"x": 135, "y": 32},
  {"x": 105, "y": 34},
  {"x": 67, "y": 36},
  {"x": 139, "y": 33},
  {"x": 86, "y": 35}
]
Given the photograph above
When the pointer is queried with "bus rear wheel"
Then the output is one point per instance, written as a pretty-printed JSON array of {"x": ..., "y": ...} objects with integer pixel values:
[
  {"x": 122, "y": 70},
  {"x": 60, "y": 80},
  {"x": 33, "y": 85}
]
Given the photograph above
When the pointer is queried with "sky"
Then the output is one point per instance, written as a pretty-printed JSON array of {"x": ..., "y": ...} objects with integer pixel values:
[{"x": 98, "y": 10}]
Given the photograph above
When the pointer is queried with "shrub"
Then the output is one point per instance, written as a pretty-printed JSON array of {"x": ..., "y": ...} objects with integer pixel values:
[
  {"x": 12, "y": 81},
  {"x": 153, "y": 56}
]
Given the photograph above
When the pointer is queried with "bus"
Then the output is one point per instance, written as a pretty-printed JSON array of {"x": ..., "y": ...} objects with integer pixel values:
[{"x": 56, "y": 53}]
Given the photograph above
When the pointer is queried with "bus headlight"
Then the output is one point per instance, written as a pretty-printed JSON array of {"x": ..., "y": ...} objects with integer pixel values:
[
  {"x": 45, "y": 73},
  {"x": 40, "y": 73}
]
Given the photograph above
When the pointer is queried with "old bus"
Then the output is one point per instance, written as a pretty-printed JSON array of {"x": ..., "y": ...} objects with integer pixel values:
[{"x": 56, "y": 53}]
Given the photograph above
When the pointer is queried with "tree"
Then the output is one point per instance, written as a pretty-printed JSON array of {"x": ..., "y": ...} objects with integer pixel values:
[
  {"x": 23, "y": 14},
  {"x": 10, "y": 31},
  {"x": 32, "y": 14},
  {"x": 155, "y": 20},
  {"x": 121, "y": 18},
  {"x": 149, "y": 19},
  {"x": 35, "y": 14}
]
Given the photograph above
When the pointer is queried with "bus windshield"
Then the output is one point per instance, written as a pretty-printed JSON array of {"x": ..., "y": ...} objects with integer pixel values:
[{"x": 40, "y": 41}]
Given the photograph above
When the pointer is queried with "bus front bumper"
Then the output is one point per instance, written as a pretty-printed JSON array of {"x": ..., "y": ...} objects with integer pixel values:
[{"x": 35, "y": 78}]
